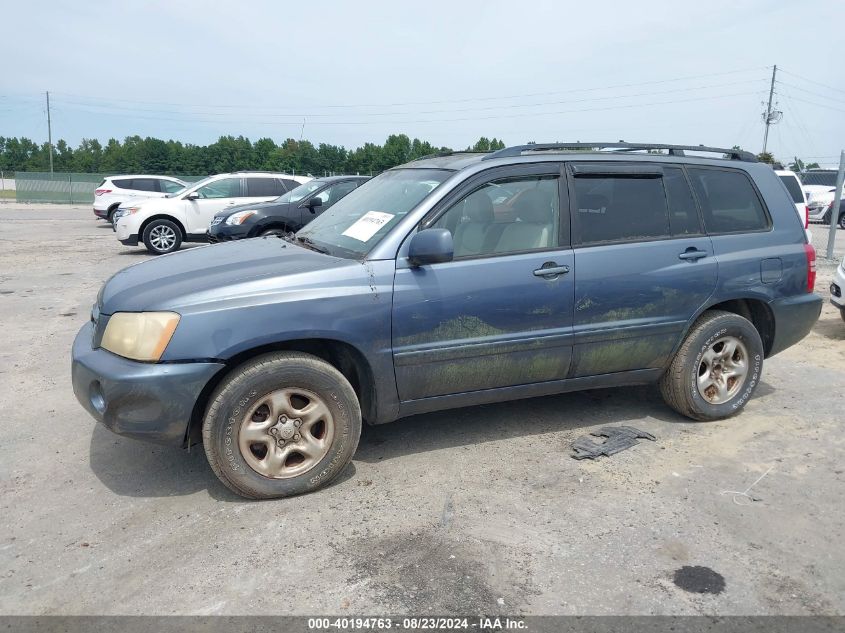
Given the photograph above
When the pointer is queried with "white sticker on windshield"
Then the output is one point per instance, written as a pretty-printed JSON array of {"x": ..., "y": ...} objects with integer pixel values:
[{"x": 368, "y": 225}]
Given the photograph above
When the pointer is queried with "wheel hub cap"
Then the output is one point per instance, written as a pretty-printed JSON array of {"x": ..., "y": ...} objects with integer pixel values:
[
  {"x": 286, "y": 433},
  {"x": 722, "y": 370}
]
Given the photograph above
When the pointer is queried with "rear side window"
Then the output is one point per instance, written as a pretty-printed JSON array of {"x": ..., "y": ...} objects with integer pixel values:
[
  {"x": 123, "y": 183},
  {"x": 729, "y": 202},
  {"x": 290, "y": 184},
  {"x": 620, "y": 208},
  {"x": 683, "y": 214},
  {"x": 264, "y": 187},
  {"x": 145, "y": 184},
  {"x": 794, "y": 188}
]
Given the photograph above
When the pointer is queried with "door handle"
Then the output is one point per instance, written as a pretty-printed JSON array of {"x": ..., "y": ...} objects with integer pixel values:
[
  {"x": 550, "y": 270},
  {"x": 692, "y": 254}
]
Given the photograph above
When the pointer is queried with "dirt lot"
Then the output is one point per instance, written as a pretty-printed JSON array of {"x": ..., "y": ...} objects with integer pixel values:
[{"x": 475, "y": 510}]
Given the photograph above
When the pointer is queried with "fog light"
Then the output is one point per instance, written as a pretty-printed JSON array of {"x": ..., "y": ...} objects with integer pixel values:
[{"x": 98, "y": 401}]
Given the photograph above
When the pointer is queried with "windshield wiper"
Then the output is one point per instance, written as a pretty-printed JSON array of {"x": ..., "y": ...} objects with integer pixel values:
[{"x": 308, "y": 242}]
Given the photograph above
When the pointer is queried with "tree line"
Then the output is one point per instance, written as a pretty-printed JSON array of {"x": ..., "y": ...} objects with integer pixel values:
[{"x": 229, "y": 153}]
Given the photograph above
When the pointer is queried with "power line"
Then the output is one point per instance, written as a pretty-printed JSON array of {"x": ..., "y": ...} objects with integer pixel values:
[
  {"x": 409, "y": 103},
  {"x": 100, "y": 108},
  {"x": 812, "y": 81},
  {"x": 817, "y": 94},
  {"x": 820, "y": 105}
]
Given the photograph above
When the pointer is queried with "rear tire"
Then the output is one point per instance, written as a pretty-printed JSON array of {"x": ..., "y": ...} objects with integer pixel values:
[
  {"x": 716, "y": 369},
  {"x": 162, "y": 236},
  {"x": 842, "y": 221},
  {"x": 282, "y": 424},
  {"x": 111, "y": 214}
]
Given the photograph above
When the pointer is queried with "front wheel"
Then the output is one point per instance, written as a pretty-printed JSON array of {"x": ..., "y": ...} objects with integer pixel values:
[
  {"x": 162, "y": 236},
  {"x": 282, "y": 424},
  {"x": 270, "y": 232},
  {"x": 716, "y": 369}
]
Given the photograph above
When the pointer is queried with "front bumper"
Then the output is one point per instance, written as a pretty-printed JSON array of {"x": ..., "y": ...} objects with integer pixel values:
[
  {"x": 224, "y": 233},
  {"x": 837, "y": 288},
  {"x": 794, "y": 318},
  {"x": 147, "y": 401}
]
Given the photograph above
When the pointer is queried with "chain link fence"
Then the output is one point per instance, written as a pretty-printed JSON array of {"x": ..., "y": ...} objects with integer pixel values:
[{"x": 63, "y": 188}]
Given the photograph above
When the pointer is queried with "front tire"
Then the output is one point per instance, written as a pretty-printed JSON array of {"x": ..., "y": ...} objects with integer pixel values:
[
  {"x": 280, "y": 425},
  {"x": 716, "y": 369},
  {"x": 162, "y": 236},
  {"x": 274, "y": 231}
]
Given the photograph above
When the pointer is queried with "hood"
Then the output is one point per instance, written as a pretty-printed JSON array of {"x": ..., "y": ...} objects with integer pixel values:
[
  {"x": 264, "y": 207},
  {"x": 218, "y": 274}
]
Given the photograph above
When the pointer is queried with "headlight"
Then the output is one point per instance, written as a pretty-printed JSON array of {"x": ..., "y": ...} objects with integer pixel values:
[
  {"x": 139, "y": 335},
  {"x": 122, "y": 211},
  {"x": 240, "y": 217}
]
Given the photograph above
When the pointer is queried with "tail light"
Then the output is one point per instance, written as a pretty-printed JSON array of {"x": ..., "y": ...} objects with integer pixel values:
[
  {"x": 810, "y": 252},
  {"x": 100, "y": 192},
  {"x": 806, "y": 216}
]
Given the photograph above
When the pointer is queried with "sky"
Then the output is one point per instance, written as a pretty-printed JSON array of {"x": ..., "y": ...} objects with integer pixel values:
[{"x": 347, "y": 73}]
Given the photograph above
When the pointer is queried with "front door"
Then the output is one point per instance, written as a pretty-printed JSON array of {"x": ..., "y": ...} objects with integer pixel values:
[
  {"x": 500, "y": 313},
  {"x": 643, "y": 266},
  {"x": 213, "y": 198}
]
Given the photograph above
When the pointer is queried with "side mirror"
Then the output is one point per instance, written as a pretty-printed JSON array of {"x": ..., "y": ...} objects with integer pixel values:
[
  {"x": 430, "y": 246},
  {"x": 194, "y": 195},
  {"x": 314, "y": 202}
]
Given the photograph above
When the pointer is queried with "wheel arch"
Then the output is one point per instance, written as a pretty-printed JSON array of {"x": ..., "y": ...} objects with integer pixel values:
[
  {"x": 344, "y": 357},
  {"x": 161, "y": 216},
  {"x": 754, "y": 309}
]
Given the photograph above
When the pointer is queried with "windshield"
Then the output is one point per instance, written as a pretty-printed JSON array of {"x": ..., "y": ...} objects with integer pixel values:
[
  {"x": 826, "y": 178},
  {"x": 298, "y": 193},
  {"x": 356, "y": 223}
]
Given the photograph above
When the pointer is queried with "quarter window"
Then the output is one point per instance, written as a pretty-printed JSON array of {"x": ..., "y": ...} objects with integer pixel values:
[
  {"x": 505, "y": 216},
  {"x": 620, "y": 208},
  {"x": 729, "y": 203}
]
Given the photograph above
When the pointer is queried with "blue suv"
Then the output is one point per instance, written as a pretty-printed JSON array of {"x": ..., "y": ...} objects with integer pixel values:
[{"x": 450, "y": 281}]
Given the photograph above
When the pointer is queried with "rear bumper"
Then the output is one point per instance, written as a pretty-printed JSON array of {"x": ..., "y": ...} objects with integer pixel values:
[
  {"x": 101, "y": 213},
  {"x": 146, "y": 401},
  {"x": 794, "y": 318}
]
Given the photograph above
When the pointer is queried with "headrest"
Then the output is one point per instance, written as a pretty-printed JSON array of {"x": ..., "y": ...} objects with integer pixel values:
[
  {"x": 535, "y": 206},
  {"x": 479, "y": 208}
]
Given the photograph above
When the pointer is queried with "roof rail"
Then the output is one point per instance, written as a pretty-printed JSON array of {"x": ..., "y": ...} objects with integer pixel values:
[
  {"x": 449, "y": 153},
  {"x": 674, "y": 150}
]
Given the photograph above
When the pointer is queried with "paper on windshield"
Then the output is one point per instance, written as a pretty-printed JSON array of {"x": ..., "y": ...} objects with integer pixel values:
[{"x": 368, "y": 225}]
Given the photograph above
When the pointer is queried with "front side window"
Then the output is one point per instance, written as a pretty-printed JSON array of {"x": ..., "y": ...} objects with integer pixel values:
[
  {"x": 332, "y": 194},
  {"x": 300, "y": 191},
  {"x": 264, "y": 187},
  {"x": 169, "y": 186},
  {"x": 223, "y": 188},
  {"x": 359, "y": 221},
  {"x": 729, "y": 203},
  {"x": 505, "y": 216},
  {"x": 613, "y": 208}
]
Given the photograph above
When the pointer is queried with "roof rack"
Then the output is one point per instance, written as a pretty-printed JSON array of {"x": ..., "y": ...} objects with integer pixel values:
[
  {"x": 674, "y": 150},
  {"x": 449, "y": 153}
]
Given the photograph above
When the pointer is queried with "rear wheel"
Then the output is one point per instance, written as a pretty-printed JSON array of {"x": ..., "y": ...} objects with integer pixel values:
[
  {"x": 111, "y": 213},
  {"x": 280, "y": 425},
  {"x": 162, "y": 236},
  {"x": 716, "y": 369},
  {"x": 842, "y": 221}
]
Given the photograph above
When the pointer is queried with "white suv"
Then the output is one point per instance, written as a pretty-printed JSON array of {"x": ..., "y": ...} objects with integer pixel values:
[
  {"x": 799, "y": 198},
  {"x": 162, "y": 224},
  {"x": 820, "y": 188},
  {"x": 117, "y": 190}
]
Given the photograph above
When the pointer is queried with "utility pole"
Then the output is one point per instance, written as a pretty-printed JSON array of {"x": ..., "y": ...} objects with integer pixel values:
[
  {"x": 834, "y": 206},
  {"x": 49, "y": 132},
  {"x": 771, "y": 116}
]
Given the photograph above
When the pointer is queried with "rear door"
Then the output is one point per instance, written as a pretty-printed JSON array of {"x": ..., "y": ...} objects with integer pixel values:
[
  {"x": 263, "y": 189},
  {"x": 643, "y": 265},
  {"x": 490, "y": 318}
]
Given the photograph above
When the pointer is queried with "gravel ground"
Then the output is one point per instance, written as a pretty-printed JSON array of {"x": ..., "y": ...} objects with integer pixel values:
[{"x": 473, "y": 510}]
